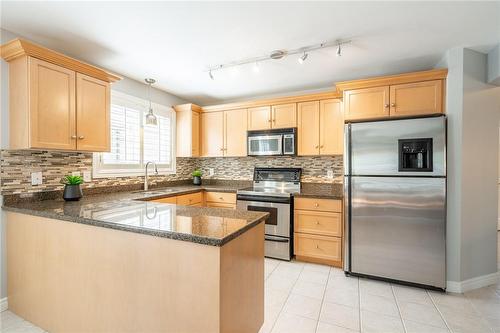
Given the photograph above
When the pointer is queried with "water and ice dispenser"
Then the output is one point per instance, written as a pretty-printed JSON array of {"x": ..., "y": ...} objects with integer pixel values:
[{"x": 415, "y": 154}]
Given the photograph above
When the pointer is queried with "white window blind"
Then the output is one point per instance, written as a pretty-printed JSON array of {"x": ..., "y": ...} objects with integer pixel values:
[{"x": 133, "y": 142}]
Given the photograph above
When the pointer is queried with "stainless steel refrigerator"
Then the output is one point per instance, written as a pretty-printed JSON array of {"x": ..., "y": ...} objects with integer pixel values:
[{"x": 395, "y": 200}]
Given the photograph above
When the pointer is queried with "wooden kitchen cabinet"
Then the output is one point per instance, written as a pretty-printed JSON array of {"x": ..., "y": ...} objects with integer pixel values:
[
  {"x": 308, "y": 128},
  {"x": 318, "y": 230},
  {"x": 224, "y": 133},
  {"x": 259, "y": 118},
  {"x": 366, "y": 103},
  {"x": 92, "y": 114},
  {"x": 320, "y": 128},
  {"x": 284, "y": 115},
  {"x": 235, "y": 133},
  {"x": 48, "y": 115},
  {"x": 418, "y": 98},
  {"x": 188, "y": 130},
  {"x": 212, "y": 134},
  {"x": 331, "y": 127},
  {"x": 56, "y": 102}
]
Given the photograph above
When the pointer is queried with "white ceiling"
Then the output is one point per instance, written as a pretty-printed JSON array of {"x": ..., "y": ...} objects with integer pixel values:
[{"x": 175, "y": 42}]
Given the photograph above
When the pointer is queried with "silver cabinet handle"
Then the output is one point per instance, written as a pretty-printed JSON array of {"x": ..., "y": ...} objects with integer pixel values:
[
  {"x": 386, "y": 105},
  {"x": 73, "y": 136},
  {"x": 81, "y": 137},
  {"x": 393, "y": 105}
]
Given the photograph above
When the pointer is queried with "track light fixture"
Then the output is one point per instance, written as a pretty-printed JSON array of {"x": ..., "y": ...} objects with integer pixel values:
[
  {"x": 280, "y": 54},
  {"x": 303, "y": 58}
]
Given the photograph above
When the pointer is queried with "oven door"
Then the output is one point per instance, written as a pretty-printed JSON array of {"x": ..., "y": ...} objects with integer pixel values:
[
  {"x": 263, "y": 145},
  {"x": 278, "y": 223}
]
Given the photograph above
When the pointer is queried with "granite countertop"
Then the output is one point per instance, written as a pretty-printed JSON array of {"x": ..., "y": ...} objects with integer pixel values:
[
  {"x": 322, "y": 191},
  {"x": 130, "y": 211}
]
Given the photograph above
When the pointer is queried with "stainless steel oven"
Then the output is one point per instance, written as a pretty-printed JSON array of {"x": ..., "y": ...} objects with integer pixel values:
[
  {"x": 272, "y": 192},
  {"x": 272, "y": 142}
]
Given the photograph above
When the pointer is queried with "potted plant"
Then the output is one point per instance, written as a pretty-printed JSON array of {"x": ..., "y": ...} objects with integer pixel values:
[
  {"x": 196, "y": 177},
  {"x": 72, "y": 190}
]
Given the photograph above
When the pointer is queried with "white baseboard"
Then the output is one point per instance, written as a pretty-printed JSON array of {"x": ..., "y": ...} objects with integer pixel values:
[
  {"x": 471, "y": 284},
  {"x": 3, "y": 304}
]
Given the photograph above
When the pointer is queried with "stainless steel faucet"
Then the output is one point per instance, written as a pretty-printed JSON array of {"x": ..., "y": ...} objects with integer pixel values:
[{"x": 146, "y": 185}]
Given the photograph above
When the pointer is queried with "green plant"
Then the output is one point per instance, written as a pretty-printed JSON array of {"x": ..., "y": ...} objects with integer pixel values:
[
  {"x": 72, "y": 180},
  {"x": 197, "y": 173}
]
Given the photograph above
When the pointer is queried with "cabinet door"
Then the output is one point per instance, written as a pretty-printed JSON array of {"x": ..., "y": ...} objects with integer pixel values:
[
  {"x": 52, "y": 106},
  {"x": 195, "y": 134},
  {"x": 259, "y": 118},
  {"x": 366, "y": 103},
  {"x": 417, "y": 98},
  {"x": 212, "y": 133},
  {"x": 331, "y": 127},
  {"x": 184, "y": 135},
  {"x": 235, "y": 133},
  {"x": 92, "y": 114},
  {"x": 284, "y": 115},
  {"x": 308, "y": 128}
]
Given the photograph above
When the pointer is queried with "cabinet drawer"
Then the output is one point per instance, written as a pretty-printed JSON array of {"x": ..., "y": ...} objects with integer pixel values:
[
  {"x": 220, "y": 197},
  {"x": 320, "y": 223},
  {"x": 170, "y": 200},
  {"x": 189, "y": 199},
  {"x": 321, "y": 247},
  {"x": 326, "y": 205},
  {"x": 221, "y": 205}
]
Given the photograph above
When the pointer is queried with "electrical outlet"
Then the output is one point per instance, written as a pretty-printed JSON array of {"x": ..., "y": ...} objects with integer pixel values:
[
  {"x": 211, "y": 171},
  {"x": 329, "y": 174},
  {"x": 87, "y": 176},
  {"x": 36, "y": 178},
  {"x": 75, "y": 173}
]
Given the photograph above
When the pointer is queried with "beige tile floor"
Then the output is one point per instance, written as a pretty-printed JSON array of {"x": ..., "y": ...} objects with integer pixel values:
[{"x": 302, "y": 298}]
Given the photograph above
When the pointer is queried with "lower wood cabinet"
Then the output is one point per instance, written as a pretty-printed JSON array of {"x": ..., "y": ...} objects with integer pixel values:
[
  {"x": 220, "y": 200},
  {"x": 190, "y": 199},
  {"x": 318, "y": 230},
  {"x": 201, "y": 199}
]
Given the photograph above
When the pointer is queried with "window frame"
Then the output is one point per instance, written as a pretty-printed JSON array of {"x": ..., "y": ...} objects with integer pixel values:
[{"x": 101, "y": 170}]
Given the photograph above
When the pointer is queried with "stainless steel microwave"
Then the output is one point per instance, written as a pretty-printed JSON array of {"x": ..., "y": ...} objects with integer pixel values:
[{"x": 272, "y": 142}]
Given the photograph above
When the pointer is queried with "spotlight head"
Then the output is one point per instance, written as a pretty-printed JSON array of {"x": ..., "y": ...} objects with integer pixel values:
[{"x": 303, "y": 58}]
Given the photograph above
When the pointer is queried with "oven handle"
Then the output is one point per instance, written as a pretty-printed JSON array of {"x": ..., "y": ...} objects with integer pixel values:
[
  {"x": 276, "y": 239},
  {"x": 262, "y": 198}
]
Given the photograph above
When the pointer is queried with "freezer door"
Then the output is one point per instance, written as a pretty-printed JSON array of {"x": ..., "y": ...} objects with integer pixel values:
[
  {"x": 375, "y": 146},
  {"x": 397, "y": 228}
]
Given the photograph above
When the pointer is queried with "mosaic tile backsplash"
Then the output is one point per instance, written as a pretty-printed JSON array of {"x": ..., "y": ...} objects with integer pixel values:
[{"x": 17, "y": 166}]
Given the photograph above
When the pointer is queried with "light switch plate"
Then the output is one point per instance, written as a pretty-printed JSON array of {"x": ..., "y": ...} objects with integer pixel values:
[
  {"x": 87, "y": 176},
  {"x": 36, "y": 178},
  {"x": 211, "y": 171},
  {"x": 329, "y": 174}
]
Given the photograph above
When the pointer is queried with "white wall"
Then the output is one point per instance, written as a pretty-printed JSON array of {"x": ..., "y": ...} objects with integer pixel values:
[
  {"x": 126, "y": 85},
  {"x": 473, "y": 109},
  {"x": 494, "y": 66}
]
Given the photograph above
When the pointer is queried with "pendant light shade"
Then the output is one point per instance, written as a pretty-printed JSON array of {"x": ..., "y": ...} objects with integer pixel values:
[{"x": 150, "y": 117}]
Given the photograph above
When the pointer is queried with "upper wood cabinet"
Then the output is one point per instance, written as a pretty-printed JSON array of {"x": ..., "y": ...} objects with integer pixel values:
[
  {"x": 212, "y": 134},
  {"x": 56, "y": 102},
  {"x": 308, "y": 128},
  {"x": 366, "y": 103},
  {"x": 331, "y": 127},
  {"x": 47, "y": 116},
  {"x": 92, "y": 113},
  {"x": 188, "y": 130},
  {"x": 411, "y": 94},
  {"x": 416, "y": 98},
  {"x": 235, "y": 133},
  {"x": 276, "y": 116},
  {"x": 259, "y": 118},
  {"x": 284, "y": 115},
  {"x": 320, "y": 128},
  {"x": 224, "y": 133}
]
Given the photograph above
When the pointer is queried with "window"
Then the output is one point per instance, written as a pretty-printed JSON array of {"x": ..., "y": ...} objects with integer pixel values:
[{"x": 133, "y": 143}]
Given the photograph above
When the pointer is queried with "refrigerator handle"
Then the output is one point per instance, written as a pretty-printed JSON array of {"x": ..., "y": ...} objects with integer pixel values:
[
  {"x": 347, "y": 149},
  {"x": 347, "y": 224}
]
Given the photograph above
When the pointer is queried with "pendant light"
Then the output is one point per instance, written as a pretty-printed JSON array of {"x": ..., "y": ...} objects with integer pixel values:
[{"x": 150, "y": 117}]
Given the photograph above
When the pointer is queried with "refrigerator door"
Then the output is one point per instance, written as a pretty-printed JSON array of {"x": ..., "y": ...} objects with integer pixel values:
[
  {"x": 397, "y": 228},
  {"x": 375, "y": 147}
]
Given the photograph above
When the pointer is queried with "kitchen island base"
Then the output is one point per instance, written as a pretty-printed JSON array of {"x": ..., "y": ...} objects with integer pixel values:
[{"x": 72, "y": 277}]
